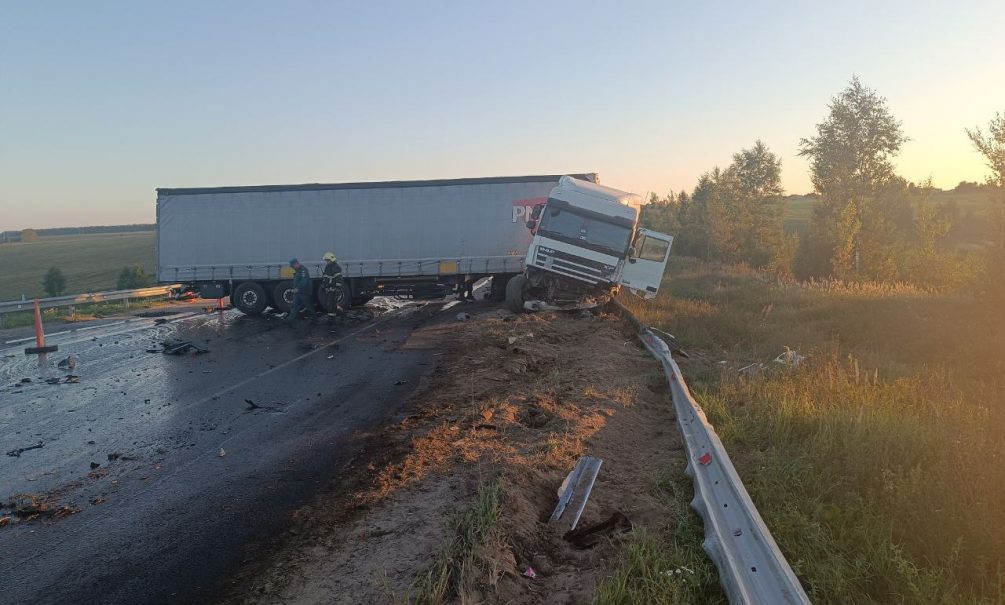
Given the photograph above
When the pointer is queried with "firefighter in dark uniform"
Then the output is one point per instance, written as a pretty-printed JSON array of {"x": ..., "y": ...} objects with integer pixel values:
[
  {"x": 332, "y": 287},
  {"x": 303, "y": 288}
]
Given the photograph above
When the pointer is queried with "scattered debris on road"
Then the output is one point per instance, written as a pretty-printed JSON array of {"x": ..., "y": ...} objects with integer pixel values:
[
  {"x": 252, "y": 406},
  {"x": 121, "y": 456},
  {"x": 69, "y": 363},
  {"x": 16, "y": 453},
  {"x": 28, "y": 507},
  {"x": 179, "y": 347},
  {"x": 222, "y": 453}
]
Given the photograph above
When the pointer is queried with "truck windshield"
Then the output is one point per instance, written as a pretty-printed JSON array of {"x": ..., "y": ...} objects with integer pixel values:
[{"x": 565, "y": 224}]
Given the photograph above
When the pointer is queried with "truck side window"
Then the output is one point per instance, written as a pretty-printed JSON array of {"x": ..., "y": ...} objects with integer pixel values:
[{"x": 654, "y": 249}]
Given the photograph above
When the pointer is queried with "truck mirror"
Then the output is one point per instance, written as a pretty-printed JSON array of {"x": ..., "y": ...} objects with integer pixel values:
[{"x": 531, "y": 224}]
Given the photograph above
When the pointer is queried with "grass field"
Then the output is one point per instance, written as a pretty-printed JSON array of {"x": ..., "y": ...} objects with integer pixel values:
[
  {"x": 89, "y": 262},
  {"x": 971, "y": 228},
  {"x": 800, "y": 208},
  {"x": 877, "y": 463}
]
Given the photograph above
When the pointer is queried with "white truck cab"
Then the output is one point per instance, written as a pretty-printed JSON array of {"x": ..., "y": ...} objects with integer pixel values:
[{"x": 587, "y": 243}]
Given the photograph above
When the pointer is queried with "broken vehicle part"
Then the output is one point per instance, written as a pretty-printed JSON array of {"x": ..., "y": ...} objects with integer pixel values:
[{"x": 575, "y": 490}]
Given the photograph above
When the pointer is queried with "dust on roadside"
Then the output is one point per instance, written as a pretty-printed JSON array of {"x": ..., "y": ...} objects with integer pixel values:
[{"x": 519, "y": 398}]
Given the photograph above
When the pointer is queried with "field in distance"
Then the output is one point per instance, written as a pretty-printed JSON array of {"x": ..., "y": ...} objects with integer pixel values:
[
  {"x": 967, "y": 209},
  {"x": 90, "y": 263}
]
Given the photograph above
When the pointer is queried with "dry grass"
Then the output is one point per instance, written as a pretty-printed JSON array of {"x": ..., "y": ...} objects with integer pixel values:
[{"x": 877, "y": 464}]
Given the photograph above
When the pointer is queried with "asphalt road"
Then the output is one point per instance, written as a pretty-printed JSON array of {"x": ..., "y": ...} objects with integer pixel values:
[{"x": 189, "y": 473}]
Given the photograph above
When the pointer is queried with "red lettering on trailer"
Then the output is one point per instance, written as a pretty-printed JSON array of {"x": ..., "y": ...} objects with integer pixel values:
[{"x": 523, "y": 208}]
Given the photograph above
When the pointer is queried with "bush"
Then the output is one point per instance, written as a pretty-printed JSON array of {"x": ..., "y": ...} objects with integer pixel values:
[
  {"x": 54, "y": 282},
  {"x": 133, "y": 277}
]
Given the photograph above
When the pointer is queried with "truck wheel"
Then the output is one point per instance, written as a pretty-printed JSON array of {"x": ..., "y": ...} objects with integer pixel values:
[
  {"x": 282, "y": 295},
  {"x": 249, "y": 298},
  {"x": 497, "y": 292},
  {"x": 514, "y": 293}
]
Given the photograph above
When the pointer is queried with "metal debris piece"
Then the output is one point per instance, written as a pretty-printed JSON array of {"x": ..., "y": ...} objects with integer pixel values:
[
  {"x": 575, "y": 490},
  {"x": 178, "y": 347},
  {"x": 16, "y": 453},
  {"x": 790, "y": 358},
  {"x": 672, "y": 342}
]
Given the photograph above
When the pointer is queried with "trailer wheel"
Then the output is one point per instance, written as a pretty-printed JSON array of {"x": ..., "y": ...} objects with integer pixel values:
[
  {"x": 514, "y": 293},
  {"x": 249, "y": 298},
  {"x": 497, "y": 291},
  {"x": 282, "y": 295}
]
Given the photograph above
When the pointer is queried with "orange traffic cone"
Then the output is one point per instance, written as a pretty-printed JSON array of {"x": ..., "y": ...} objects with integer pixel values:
[{"x": 39, "y": 335}]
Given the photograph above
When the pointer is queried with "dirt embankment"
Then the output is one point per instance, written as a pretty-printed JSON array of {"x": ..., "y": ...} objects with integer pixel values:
[{"x": 514, "y": 402}]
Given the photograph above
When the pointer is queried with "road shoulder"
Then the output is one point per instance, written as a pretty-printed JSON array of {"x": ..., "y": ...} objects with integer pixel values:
[{"x": 513, "y": 403}]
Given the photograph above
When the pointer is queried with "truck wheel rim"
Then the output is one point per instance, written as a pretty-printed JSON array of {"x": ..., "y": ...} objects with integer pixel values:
[{"x": 249, "y": 298}]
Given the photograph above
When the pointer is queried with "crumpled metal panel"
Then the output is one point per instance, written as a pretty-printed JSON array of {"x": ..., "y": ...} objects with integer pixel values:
[{"x": 752, "y": 570}]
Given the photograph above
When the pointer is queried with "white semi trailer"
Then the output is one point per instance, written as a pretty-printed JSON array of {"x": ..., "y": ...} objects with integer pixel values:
[
  {"x": 587, "y": 243},
  {"x": 404, "y": 238}
]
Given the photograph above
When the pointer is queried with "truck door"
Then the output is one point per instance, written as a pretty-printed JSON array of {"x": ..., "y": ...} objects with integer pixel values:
[{"x": 643, "y": 271}]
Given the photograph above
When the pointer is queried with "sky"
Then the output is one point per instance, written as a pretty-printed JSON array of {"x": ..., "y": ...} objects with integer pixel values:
[{"x": 102, "y": 102}]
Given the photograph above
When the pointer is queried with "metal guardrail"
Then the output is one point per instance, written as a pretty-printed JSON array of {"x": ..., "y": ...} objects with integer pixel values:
[
  {"x": 14, "y": 306},
  {"x": 752, "y": 570}
]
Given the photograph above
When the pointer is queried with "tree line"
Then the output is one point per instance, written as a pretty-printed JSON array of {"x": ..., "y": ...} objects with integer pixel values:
[
  {"x": 130, "y": 277},
  {"x": 868, "y": 222}
]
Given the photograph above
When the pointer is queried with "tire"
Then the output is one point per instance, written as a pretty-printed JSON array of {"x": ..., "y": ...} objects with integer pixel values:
[
  {"x": 282, "y": 296},
  {"x": 514, "y": 293},
  {"x": 249, "y": 298},
  {"x": 497, "y": 292}
]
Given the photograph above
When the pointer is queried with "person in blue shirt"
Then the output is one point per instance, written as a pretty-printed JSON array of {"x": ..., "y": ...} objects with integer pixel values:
[{"x": 303, "y": 290}]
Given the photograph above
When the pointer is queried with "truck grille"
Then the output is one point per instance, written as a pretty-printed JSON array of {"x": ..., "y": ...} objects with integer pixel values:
[{"x": 573, "y": 266}]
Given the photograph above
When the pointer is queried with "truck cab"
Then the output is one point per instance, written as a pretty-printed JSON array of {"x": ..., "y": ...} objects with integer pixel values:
[{"x": 586, "y": 244}]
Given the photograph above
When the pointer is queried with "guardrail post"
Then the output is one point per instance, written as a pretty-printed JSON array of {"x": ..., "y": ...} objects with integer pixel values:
[{"x": 126, "y": 301}]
